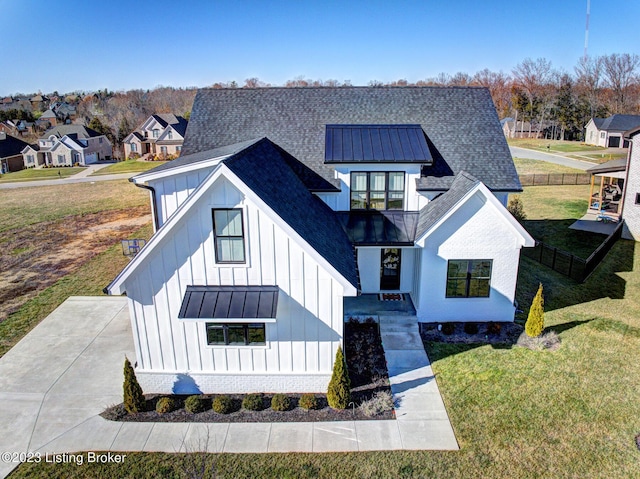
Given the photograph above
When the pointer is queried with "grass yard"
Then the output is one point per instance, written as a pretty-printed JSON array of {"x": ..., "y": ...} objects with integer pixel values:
[
  {"x": 600, "y": 158},
  {"x": 551, "y": 210},
  {"x": 516, "y": 413},
  {"x": 26, "y": 206},
  {"x": 32, "y": 174},
  {"x": 554, "y": 145},
  {"x": 128, "y": 166},
  {"x": 526, "y": 166}
]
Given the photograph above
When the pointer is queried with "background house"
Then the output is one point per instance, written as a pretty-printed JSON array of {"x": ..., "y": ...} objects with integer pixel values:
[
  {"x": 161, "y": 134},
  {"x": 10, "y": 153},
  {"x": 66, "y": 145},
  {"x": 609, "y": 132},
  {"x": 366, "y": 191}
]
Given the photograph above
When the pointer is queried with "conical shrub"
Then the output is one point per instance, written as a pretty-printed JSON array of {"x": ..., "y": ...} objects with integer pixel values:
[
  {"x": 535, "y": 321},
  {"x": 134, "y": 400},
  {"x": 339, "y": 392}
]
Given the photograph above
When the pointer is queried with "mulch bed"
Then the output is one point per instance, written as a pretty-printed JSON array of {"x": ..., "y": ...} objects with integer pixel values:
[
  {"x": 367, "y": 371},
  {"x": 485, "y": 333}
]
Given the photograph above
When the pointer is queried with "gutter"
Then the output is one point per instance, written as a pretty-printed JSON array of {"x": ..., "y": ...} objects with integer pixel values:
[{"x": 156, "y": 221}]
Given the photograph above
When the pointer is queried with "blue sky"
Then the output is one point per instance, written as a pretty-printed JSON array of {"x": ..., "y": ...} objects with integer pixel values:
[{"x": 70, "y": 45}]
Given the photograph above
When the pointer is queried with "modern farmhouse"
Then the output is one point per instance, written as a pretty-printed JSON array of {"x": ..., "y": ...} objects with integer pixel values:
[{"x": 288, "y": 200}]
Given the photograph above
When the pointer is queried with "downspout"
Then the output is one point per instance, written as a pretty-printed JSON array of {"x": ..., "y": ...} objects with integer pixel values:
[{"x": 154, "y": 210}]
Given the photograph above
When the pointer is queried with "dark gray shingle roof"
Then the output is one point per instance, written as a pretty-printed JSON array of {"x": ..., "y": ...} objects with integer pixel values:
[
  {"x": 436, "y": 208},
  {"x": 619, "y": 122},
  {"x": 79, "y": 130},
  {"x": 11, "y": 146},
  {"x": 609, "y": 166},
  {"x": 461, "y": 125}
]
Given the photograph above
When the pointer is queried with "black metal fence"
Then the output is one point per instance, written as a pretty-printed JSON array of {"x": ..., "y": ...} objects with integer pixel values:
[
  {"x": 548, "y": 179},
  {"x": 569, "y": 264}
]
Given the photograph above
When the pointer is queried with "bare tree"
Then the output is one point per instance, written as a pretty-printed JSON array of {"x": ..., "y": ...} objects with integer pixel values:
[
  {"x": 499, "y": 87},
  {"x": 588, "y": 75},
  {"x": 533, "y": 78},
  {"x": 621, "y": 72}
]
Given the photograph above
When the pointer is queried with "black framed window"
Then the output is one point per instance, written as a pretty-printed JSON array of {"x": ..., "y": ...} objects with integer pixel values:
[
  {"x": 236, "y": 334},
  {"x": 637, "y": 198},
  {"x": 469, "y": 278},
  {"x": 377, "y": 190},
  {"x": 228, "y": 232}
]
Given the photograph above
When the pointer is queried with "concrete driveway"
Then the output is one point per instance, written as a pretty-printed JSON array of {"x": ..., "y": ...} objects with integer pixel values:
[{"x": 57, "y": 380}]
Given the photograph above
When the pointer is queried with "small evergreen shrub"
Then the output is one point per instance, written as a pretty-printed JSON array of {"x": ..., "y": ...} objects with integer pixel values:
[
  {"x": 381, "y": 401},
  {"x": 448, "y": 328},
  {"x": 253, "y": 402},
  {"x": 471, "y": 328},
  {"x": 516, "y": 209},
  {"x": 222, "y": 404},
  {"x": 339, "y": 392},
  {"x": 308, "y": 401},
  {"x": 134, "y": 400},
  {"x": 280, "y": 402},
  {"x": 165, "y": 405},
  {"x": 194, "y": 404},
  {"x": 535, "y": 321},
  {"x": 494, "y": 328}
]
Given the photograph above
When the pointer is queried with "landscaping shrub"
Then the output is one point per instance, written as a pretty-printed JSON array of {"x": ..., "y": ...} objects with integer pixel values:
[
  {"x": 222, "y": 404},
  {"x": 494, "y": 328},
  {"x": 194, "y": 404},
  {"x": 535, "y": 320},
  {"x": 339, "y": 392},
  {"x": 133, "y": 398},
  {"x": 165, "y": 405},
  {"x": 471, "y": 328},
  {"x": 280, "y": 402},
  {"x": 253, "y": 402},
  {"x": 308, "y": 401},
  {"x": 381, "y": 401},
  {"x": 448, "y": 328},
  {"x": 516, "y": 208}
]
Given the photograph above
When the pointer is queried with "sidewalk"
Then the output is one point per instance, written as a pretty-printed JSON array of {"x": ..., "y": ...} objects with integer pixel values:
[{"x": 56, "y": 381}]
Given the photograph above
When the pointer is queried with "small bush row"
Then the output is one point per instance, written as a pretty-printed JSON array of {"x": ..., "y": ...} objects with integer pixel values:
[{"x": 470, "y": 328}]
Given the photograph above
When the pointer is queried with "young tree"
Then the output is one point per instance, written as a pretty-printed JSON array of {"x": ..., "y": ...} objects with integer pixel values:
[
  {"x": 516, "y": 209},
  {"x": 535, "y": 321},
  {"x": 339, "y": 392},
  {"x": 133, "y": 398}
]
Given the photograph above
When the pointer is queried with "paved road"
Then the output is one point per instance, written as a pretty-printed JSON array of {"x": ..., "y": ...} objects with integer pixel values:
[
  {"x": 82, "y": 177},
  {"x": 518, "y": 152}
]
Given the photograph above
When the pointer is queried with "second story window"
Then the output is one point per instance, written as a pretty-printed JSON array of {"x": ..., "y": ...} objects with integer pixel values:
[
  {"x": 228, "y": 232},
  {"x": 169, "y": 135},
  {"x": 377, "y": 190},
  {"x": 156, "y": 133}
]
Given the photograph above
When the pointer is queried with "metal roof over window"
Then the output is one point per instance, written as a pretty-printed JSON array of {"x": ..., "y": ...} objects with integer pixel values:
[
  {"x": 376, "y": 144},
  {"x": 387, "y": 228},
  {"x": 229, "y": 302}
]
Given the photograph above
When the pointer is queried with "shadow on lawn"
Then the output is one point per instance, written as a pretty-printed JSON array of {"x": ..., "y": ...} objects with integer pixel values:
[{"x": 561, "y": 291}]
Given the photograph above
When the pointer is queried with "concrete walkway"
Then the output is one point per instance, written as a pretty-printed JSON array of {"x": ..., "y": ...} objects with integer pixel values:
[{"x": 68, "y": 369}]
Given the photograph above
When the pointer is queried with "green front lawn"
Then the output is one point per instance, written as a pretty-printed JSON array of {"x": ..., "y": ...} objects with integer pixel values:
[
  {"x": 554, "y": 145},
  {"x": 32, "y": 174},
  {"x": 525, "y": 166},
  {"x": 128, "y": 166}
]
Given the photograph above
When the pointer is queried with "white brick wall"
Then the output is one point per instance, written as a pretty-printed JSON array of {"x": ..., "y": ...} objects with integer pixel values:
[
  {"x": 631, "y": 211},
  {"x": 176, "y": 383}
]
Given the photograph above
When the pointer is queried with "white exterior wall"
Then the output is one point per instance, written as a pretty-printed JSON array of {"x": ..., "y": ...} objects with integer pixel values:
[
  {"x": 592, "y": 135},
  {"x": 301, "y": 344},
  {"x": 475, "y": 231},
  {"x": 173, "y": 190},
  {"x": 369, "y": 259},
  {"x": 343, "y": 173},
  {"x": 631, "y": 210}
]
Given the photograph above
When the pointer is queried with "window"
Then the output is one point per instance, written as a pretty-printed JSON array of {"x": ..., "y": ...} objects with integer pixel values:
[
  {"x": 163, "y": 150},
  {"x": 156, "y": 133},
  {"x": 100, "y": 140},
  {"x": 637, "y": 198},
  {"x": 469, "y": 278},
  {"x": 236, "y": 334},
  {"x": 30, "y": 159},
  {"x": 377, "y": 190},
  {"x": 602, "y": 134},
  {"x": 228, "y": 232},
  {"x": 170, "y": 135},
  {"x": 62, "y": 159},
  {"x": 134, "y": 147},
  {"x": 178, "y": 149}
]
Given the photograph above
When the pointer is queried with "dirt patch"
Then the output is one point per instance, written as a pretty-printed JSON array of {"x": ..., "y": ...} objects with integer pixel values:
[{"x": 34, "y": 257}]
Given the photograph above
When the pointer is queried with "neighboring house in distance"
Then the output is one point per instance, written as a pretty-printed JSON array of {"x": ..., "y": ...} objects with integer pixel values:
[
  {"x": 59, "y": 114},
  {"x": 11, "y": 153},
  {"x": 609, "y": 132},
  {"x": 289, "y": 200},
  {"x": 519, "y": 129},
  {"x": 67, "y": 145},
  {"x": 39, "y": 102},
  {"x": 161, "y": 134}
]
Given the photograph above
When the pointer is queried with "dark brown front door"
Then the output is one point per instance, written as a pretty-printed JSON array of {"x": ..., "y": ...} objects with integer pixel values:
[{"x": 390, "y": 269}]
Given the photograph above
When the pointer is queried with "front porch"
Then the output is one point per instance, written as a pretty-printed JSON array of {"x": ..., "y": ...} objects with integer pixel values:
[{"x": 371, "y": 305}]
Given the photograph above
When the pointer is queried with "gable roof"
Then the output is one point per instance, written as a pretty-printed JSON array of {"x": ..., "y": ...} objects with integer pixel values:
[
  {"x": 609, "y": 166},
  {"x": 264, "y": 170},
  {"x": 442, "y": 207},
  {"x": 618, "y": 122},
  {"x": 460, "y": 123},
  {"x": 62, "y": 130},
  {"x": 376, "y": 144},
  {"x": 11, "y": 146}
]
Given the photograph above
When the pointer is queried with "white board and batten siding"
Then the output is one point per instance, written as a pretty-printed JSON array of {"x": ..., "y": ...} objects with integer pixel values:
[
  {"x": 300, "y": 344},
  {"x": 493, "y": 238}
]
